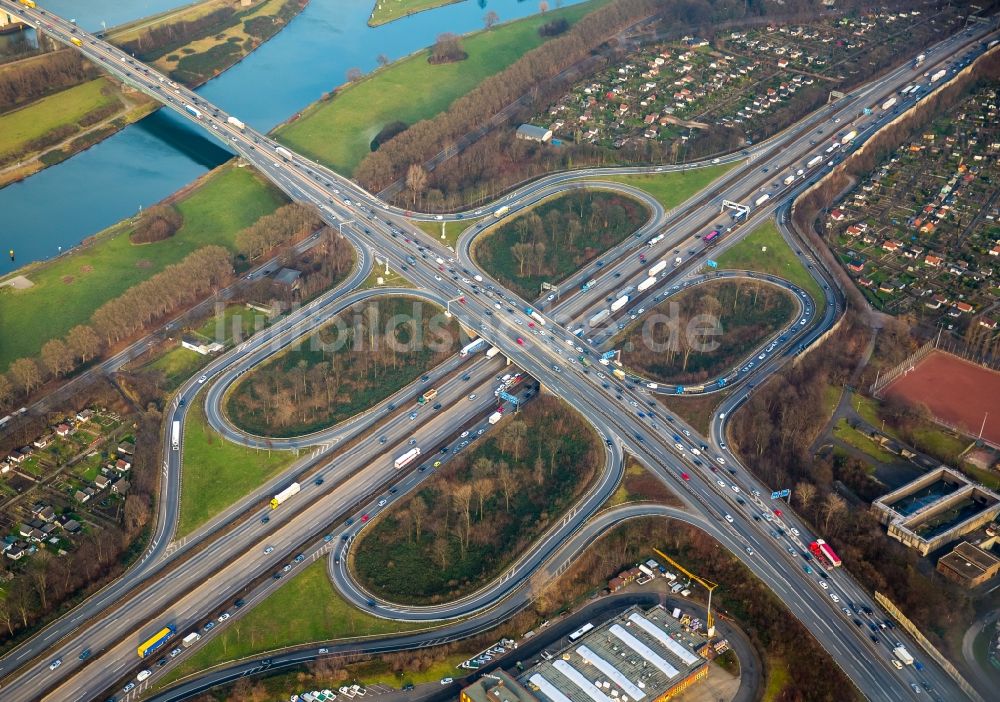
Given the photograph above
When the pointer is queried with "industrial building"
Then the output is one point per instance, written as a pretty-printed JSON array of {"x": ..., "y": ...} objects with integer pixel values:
[
  {"x": 970, "y": 565},
  {"x": 936, "y": 509},
  {"x": 496, "y": 687},
  {"x": 636, "y": 657}
]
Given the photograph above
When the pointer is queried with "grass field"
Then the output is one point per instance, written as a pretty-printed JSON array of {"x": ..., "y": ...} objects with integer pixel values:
[
  {"x": 410, "y": 90},
  {"x": 673, "y": 188},
  {"x": 779, "y": 259},
  {"x": 452, "y": 229},
  {"x": 217, "y": 473},
  {"x": 64, "y": 107},
  {"x": 696, "y": 410},
  {"x": 853, "y": 437},
  {"x": 68, "y": 290},
  {"x": 305, "y": 609},
  {"x": 778, "y": 676},
  {"x": 386, "y": 11},
  {"x": 177, "y": 365}
]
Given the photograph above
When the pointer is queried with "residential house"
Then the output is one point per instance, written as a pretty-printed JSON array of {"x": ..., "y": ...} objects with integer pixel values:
[
  {"x": 63, "y": 429},
  {"x": 122, "y": 466},
  {"x": 933, "y": 261},
  {"x": 101, "y": 481},
  {"x": 126, "y": 448}
]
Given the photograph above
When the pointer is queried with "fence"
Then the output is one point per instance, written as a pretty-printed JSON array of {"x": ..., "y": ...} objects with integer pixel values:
[
  {"x": 913, "y": 631},
  {"x": 900, "y": 368}
]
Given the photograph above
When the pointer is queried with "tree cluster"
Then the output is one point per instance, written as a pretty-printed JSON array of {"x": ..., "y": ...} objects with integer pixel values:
[
  {"x": 163, "y": 38},
  {"x": 283, "y": 226},
  {"x": 447, "y": 49},
  {"x": 554, "y": 28},
  {"x": 483, "y": 507},
  {"x": 157, "y": 223},
  {"x": 744, "y": 313},
  {"x": 26, "y": 81},
  {"x": 343, "y": 368}
]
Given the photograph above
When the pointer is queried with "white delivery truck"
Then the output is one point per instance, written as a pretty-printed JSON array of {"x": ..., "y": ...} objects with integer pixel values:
[
  {"x": 289, "y": 491},
  {"x": 495, "y": 417},
  {"x": 175, "y": 435}
]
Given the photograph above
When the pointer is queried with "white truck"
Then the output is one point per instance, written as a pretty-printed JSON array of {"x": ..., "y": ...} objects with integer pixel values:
[
  {"x": 175, "y": 435},
  {"x": 814, "y": 161},
  {"x": 938, "y": 76},
  {"x": 902, "y": 654},
  {"x": 190, "y": 639},
  {"x": 495, "y": 417},
  {"x": 619, "y": 303},
  {"x": 656, "y": 269},
  {"x": 888, "y": 103},
  {"x": 762, "y": 199},
  {"x": 492, "y": 351},
  {"x": 501, "y": 211},
  {"x": 789, "y": 180},
  {"x": 406, "y": 458},
  {"x": 677, "y": 261},
  {"x": 538, "y": 318},
  {"x": 599, "y": 317},
  {"x": 237, "y": 123},
  {"x": 647, "y": 284},
  {"x": 284, "y": 153},
  {"x": 289, "y": 491}
]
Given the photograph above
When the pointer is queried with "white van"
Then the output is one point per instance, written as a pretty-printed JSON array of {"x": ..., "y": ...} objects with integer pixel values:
[{"x": 143, "y": 674}]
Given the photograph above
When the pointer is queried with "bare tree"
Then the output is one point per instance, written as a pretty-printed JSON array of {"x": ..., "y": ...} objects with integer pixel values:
[
  {"x": 418, "y": 508},
  {"x": 806, "y": 493},
  {"x": 507, "y": 483},
  {"x": 833, "y": 506},
  {"x": 382, "y": 60},
  {"x": 490, "y": 19},
  {"x": 354, "y": 74},
  {"x": 6, "y": 390},
  {"x": 416, "y": 180},
  {"x": 543, "y": 7},
  {"x": 57, "y": 356},
  {"x": 26, "y": 374},
  {"x": 83, "y": 342}
]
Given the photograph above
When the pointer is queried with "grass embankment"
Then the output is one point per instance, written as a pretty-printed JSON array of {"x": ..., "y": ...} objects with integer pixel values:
[
  {"x": 452, "y": 229},
  {"x": 68, "y": 290},
  {"x": 740, "y": 315},
  {"x": 672, "y": 188},
  {"x": 852, "y": 437},
  {"x": 696, "y": 410},
  {"x": 217, "y": 473},
  {"x": 482, "y": 509},
  {"x": 639, "y": 485},
  {"x": 410, "y": 90},
  {"x": 66, "y": 107},
  {"x": 764, "y": 250},
  {"x": 557, "y": 238},
  {"x": 372, "y": 350},
  {"x": 306, "y": 609},
  {"x": 386, "y": 11}
]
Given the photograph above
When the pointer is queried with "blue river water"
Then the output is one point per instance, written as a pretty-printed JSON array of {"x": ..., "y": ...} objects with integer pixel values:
[{"x": 60, "y": 206}]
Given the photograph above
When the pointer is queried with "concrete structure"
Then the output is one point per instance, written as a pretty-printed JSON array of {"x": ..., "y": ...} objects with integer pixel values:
[
  {"x": 637, "y": 656},
  {"x": 496, "y": 687},
  {"x": 199, "y": 346},
  {"x": 935, "y": 509},
  {"x": 530, "y": 132},
  {"x": 969, "y": 564}
]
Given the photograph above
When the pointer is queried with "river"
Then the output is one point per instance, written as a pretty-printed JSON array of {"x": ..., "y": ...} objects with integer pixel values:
[{"x": 60, "y": 206}]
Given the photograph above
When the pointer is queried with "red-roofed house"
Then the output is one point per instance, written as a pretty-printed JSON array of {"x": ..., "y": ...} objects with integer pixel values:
[
  {"x": 836, "y": 215},
  {"x": 933, "y": 260},
  {"x": 964, "y": 307},
  {"x": 891, "y": 245}
]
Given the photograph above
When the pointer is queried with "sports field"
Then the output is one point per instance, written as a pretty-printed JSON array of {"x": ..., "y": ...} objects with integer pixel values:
[{"x": 957, "y": 393}]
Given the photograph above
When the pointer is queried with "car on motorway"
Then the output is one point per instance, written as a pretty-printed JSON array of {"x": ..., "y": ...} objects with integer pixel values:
[
  {"x": 749, "y": 551},
  {"x": 268, "y": 550},
  {"x": 685, "y": 476},
  {"x": 318, "y": 481},
  {"x": 223, "y": 617},
  {"x": 823, "y": 584},
  {"x": 288, "y": 567},
  {"x": 128, "y": 688},
  {"x": 383, "y": 502},
  {"x": 202, "y": 379},
  {"x": 778, "y": 513},
  {"x": 729, "y": 518},
  {"x": 299, "y": 558},
  {"x": 721, "y": 483},
  {"x": 447, "y": 681},
  {"x": 364, "y": 518},
  {"x": 176, "y": 652},
  {"x": 209, "y": 626},
  {"x": 835, "y": 597},
  {"x": 520, "y": 341},
  {"x": 55, "y": 664},
  {"x": 84, "y": 654},
  {"x": 413, "y": 415}
]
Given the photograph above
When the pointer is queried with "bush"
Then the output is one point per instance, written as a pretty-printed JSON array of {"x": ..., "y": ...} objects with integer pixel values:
[
  {"x": 554, "y": 28},
  {"x": 156, "y": 223}
]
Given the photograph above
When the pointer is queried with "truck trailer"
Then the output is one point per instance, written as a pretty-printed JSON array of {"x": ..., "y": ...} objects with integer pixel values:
[
  {"x": 284, "y": 153},
  {"x": 289, "y": 491},
  {"x": 762, "y": 199},
  {"x": 789, "y": 180},
  {"x": 938, "y": 76},
  {"x": 192, "y": 110},
  {"x": 647, "y": 284},
  {"x": 472, "y": 347},
  {"x": 501, "y": 211},
  {"x": 656, "y": 269},
  {"x": 190, "y": 639},
  {"x": 903, "y": 655},
  {"x": 175, "y": 435},
  {"x": 406, "y": 458},
  {"x": 237, "y": 123},
  {"x": 814, "y": 161},
  {"x": 619, "y": 303},
  {"x": 888, "y": 103},
  {"x": 495, "y": 417},
  {"x": 849, "y": 137},
  {"x": 599, "y": 317}
]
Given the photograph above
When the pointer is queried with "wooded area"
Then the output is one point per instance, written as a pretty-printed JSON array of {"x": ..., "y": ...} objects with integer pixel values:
[
  {"x": 29, "y": 80},
  {"x": 557, "y": 238},
  {"x": 482, "y": 508},
  {"x": 666, "y": 345},
  {"x": 372, "y": 350},
  {"x": 285, "y": 225}
]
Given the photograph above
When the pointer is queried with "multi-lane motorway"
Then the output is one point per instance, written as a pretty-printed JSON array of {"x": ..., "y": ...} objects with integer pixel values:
[{"x": 727, "y": 505}]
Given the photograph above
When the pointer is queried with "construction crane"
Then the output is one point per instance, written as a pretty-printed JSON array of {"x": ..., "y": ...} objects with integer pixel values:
[{"x": 707, "y": 584}]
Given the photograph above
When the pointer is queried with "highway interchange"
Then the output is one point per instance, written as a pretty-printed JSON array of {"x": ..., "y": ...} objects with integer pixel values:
[{"x": 199, "y": 576}]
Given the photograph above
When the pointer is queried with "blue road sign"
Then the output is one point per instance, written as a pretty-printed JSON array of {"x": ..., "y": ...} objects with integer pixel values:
[
  {"x": 778, "y": 494},
  {"x": 509, "y": 398}
]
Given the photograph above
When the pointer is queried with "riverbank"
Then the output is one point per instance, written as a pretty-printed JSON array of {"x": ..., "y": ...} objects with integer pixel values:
[
  {"x": 54, "y": 128},
  {"x": 409, "y": 90},
  {"x": 386, "y": 11}
]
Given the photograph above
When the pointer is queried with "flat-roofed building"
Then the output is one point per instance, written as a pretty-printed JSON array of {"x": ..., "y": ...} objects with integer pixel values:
[
  {"x": 496, "y": 687},
  {"x": 969, "y": 564},
  {"x": 639, "y": 656}
]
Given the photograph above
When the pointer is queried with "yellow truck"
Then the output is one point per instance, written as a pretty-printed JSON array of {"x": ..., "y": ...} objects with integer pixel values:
[
  {"x": 76, "y": 41},
  {"x": 27, "y": 3},
  {"x": 618, "y": 373}
]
